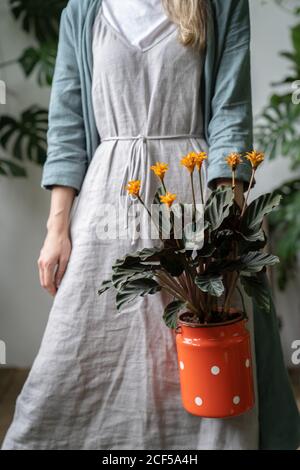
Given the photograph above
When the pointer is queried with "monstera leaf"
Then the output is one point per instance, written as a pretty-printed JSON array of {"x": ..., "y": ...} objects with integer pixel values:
[
  {"x": 27, "y": 136},
  {"x": 285, "y": 227},
  {"x": 40, "y": 18},
  {"x": 40, "y": 59},
  {"x": 10, "y": 168},
  {"x": 277, "y": 129}
]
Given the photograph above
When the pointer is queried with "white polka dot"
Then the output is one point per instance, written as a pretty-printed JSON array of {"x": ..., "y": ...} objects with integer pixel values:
[
  {"x": 222, "y": 333},
  {"x": 247, "y": 363},
  {"x": 236, "y": 400},
  {"x": 198, "y": 401},
  {"x": 181, "y": 364},
  {"x": 215, "y": 370}
]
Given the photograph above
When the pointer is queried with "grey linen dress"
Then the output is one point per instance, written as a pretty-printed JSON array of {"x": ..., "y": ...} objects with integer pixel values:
[{"x": 108, "y": 379}]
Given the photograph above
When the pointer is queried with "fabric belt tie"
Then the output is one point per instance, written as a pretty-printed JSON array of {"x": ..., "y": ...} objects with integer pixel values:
[{"x": 138, "y": 167}]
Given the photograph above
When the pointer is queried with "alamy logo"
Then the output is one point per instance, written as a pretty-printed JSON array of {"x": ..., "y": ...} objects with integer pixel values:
[
  {"x": 296, "y": 353},
  {"x": 2, "y": 353},
  {"x": 2, "y": 92}
]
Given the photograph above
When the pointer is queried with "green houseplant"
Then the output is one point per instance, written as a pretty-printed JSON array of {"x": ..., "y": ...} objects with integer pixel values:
[
  {"x": 203, "y": 279},
  {"x": 25, "y": 137}
]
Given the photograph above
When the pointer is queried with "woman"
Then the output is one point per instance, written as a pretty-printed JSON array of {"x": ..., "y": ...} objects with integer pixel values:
[{"x": 108, "y": 380}]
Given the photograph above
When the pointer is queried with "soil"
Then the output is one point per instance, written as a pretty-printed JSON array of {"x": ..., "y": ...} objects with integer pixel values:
[{"x": 215, "y": 318}]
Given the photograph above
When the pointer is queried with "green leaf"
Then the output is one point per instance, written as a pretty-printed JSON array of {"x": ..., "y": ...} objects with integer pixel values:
[
  {"x": 217, "y": 207},
  {"x": 285, "y": 230},
  {"x": 42, "y": 59},
  {"x": 277, "y": 129},
  {"x": 206, "y": 251},
  {"x": 255, "y": 261},
  {"x": 172, "y": 263},
  {"x": 255, "y": 243},
  {"x": 10, "y": 168},
  {"x": 296, "y": 39},
  {"x": 123, "y": 275},
  {"x": 211, "y": 284},
  {"x": 258, "y": 290},
  {"x": 105, "y": 286},
  {"x": 129, "y": 291},
  {"x": 27, "y": 136},
  {"x": 39, "y": 17},
  {"x": 146, "y": 254},
  {"x": 145, "y": 262},
  {"x": 171, "y": 313},
  {"x": 254, "y": 215}
]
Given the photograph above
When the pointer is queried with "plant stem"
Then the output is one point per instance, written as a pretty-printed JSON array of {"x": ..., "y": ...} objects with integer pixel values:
[
  {"x": 201, "y": 187},
  {"x": 234, "y": 280},
  {"x": 142, "y": 202},
  {"x": 174, "y": 291},
  {"x": 248, "y": 192},
  {"x": 149, "y": 213},
  {"x": 194, "y": 199},
  {"x": 172, "y": 283},
  {"x": 233, "y": 181}
]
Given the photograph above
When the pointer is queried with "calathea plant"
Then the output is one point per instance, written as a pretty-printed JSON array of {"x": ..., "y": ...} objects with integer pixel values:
[{"x": 202, "y": 279}]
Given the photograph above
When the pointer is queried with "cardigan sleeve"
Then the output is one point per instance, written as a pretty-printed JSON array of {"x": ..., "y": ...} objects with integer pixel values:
[
  {"x": 66, "y": 161},
  {"x": 230, "y": 128}
]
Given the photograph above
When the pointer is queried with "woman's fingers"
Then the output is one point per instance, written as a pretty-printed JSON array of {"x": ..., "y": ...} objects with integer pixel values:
[
  {"x": 62, "y": 266},
  {"x": 41, "y": 272},
  {"x": 48, "y": 277}
]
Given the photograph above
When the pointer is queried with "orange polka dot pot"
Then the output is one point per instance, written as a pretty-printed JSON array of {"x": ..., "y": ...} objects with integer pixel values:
[{"x": 215, "y": 368}]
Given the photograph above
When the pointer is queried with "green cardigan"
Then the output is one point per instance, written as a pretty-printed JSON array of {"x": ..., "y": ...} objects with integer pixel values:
[{"x": 227, "y": 107}]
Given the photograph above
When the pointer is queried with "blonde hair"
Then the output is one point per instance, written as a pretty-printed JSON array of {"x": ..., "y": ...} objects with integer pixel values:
[{"x": 191, "y": 18}]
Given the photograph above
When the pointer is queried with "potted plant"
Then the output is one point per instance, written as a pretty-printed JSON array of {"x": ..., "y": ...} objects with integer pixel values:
[{"x": 217, "y": 254}]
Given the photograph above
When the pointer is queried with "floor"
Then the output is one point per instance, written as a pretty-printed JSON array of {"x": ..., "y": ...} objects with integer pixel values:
[{"x": 11, "y": 382}]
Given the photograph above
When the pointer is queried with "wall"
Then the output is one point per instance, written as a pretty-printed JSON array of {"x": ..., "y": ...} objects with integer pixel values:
[
  {"x": 24, "y": 206},
  {"x": 24, "y": 307}
]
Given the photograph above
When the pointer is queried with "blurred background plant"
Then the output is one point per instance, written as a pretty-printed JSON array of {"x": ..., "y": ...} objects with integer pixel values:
[
  {"x": 25, "y": 137},
  {"x": 278, "y": 134}
]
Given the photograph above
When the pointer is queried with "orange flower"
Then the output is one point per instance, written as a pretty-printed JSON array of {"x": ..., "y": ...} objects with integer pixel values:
[
  {"x": 256, "y": 158},
  {"x": 199, "y": 158},
  {"x": 189, "y": 161},
  {"x": 168, "y": 199},
  {"x": 233, "y": 160},
  {"x": 133, "y": 187},
  {"x": 160, "y": 169}
]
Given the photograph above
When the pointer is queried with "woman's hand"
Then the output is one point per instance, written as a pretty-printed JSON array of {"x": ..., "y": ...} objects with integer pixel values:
[
  {"x": 55, "y": 253},
  {"x": 53, "y": 260}
]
